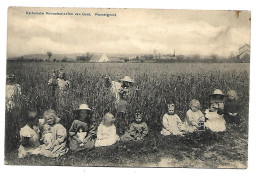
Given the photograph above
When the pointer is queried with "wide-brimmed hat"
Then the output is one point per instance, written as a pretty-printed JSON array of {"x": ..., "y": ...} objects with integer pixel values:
[
  {"x": 217, "y": 92},
  {"x": 82, "y": 107},
  {"x": 127, "y": 79}
]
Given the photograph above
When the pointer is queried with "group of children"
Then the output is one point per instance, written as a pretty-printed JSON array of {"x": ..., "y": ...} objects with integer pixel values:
[
  {"x": 214, "y": 118},
  {"x": 49, "y": 138}
]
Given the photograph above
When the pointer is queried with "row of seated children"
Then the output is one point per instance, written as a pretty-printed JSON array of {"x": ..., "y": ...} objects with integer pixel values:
[
  {"x": 214, "y": 118},
  {"x": 83, "y": 133},
  {"x": 48, "y": 137}
]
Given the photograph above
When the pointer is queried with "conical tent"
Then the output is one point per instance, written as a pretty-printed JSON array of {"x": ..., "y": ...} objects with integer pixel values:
[{"x": 103, "y": 58}]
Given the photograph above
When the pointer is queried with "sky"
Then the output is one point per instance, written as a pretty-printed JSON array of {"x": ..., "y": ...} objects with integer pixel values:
[{"x": 130, "y": 31}]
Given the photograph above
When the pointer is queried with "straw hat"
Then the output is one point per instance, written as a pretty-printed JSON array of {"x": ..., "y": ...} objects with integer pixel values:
[
  {"x": 82, "y": 107},
  {"x": 218, "y": 92},
  {"x": 127, "y": 79}
]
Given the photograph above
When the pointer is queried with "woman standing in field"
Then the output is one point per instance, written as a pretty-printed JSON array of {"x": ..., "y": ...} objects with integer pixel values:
[
  {"x": 55, "y": 141},
  {"x": 85, "y": 123},
  {"x": 122, "y": 85}
]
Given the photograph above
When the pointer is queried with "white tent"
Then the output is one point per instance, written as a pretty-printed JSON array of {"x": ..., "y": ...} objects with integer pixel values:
[{"x": 103, "y": 58}]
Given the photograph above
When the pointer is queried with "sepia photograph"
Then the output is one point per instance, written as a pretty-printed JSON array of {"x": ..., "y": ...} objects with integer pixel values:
[{"x": 110, "y": 87}]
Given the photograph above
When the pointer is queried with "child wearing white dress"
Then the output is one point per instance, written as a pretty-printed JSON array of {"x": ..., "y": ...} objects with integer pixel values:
[
  {"x": 214, "y": 121},
  {"x": 172, "y": 124},
  {"x": 194, "y": 117},
  {"x": 106, "y": 133},
  {"x": 29, "y": 134}
]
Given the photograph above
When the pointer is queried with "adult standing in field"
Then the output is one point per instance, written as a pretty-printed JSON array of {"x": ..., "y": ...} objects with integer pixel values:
[
  {"x": 60, "y": 83},
  {"x": 84, "y": 122},
  {"x": 13, "y": 91},
  {"x": 124, "y": 85}
]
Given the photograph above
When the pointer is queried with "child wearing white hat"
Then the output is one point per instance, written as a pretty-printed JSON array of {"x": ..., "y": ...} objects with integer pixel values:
[
  {"x": 219, "y": 98},
  {"x": 85, "y": 123}
]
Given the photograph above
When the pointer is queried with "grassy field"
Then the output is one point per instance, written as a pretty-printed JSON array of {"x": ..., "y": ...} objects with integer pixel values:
[{"x": 179, "y": 82}]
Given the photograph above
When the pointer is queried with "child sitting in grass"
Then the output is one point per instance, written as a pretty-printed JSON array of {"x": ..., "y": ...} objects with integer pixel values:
[
  {"x": 29, "y": 134},
  {"x": 138, "y": 129},
  {"x": 56, "y": 140},
  {"x": 106, "y": 133},
  {"x": 172, "y": 124},
  {"x": 194, "y": 117},
  {"x": 214, "y": 121},
  {"x": 85, "y": 122},
  {"x": 232, "y": 108}
]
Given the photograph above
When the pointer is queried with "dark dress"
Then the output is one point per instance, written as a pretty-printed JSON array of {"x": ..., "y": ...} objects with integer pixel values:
[
  {"x": 89, "y": 141},
  {"x": 232, "y": 106}
]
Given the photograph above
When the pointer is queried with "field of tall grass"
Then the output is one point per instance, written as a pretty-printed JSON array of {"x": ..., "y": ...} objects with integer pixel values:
[{"x": 156, "y": 82}]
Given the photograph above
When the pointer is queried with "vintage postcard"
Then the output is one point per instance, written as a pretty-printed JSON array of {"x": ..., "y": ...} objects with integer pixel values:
[{"x": 127, "y": 87}]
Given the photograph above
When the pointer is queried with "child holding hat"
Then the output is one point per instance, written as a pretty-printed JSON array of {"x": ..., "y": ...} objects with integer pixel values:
[{"x": 85, "y": 123}]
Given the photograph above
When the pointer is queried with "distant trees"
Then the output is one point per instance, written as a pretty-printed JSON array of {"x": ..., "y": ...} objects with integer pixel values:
[
  {"x": 214, "y": 57},
  {"x": 65, "y": 59},
  {"x": 49, "y": 54},
  {"x": 85, "y": 58}
]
